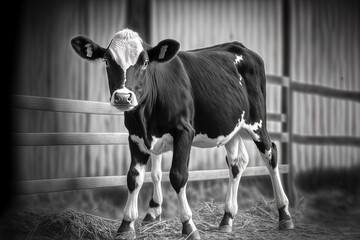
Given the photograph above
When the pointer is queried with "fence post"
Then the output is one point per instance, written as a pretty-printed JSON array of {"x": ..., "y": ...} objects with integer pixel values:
[{"x": 286, "y": 102}]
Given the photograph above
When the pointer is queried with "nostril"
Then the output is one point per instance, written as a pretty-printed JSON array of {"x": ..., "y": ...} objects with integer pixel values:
[
  {"x": 116, "y": 98},
  {"x": 129, "y": 98}
]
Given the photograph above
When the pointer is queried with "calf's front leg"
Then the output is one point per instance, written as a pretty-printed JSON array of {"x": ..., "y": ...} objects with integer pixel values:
[
  {"x": 179, "y": 177},
  {"x": 135, "y": 180},
  {"x": 154, "y": 210}
]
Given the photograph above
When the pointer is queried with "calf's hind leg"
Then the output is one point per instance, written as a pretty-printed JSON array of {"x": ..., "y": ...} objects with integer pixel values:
[
  {"x": 268, "y": 152},
  {"x": 237, "y": 159}
]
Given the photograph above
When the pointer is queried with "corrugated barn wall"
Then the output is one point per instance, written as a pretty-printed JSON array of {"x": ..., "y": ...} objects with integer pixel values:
[{"x": 324, "y": 51}]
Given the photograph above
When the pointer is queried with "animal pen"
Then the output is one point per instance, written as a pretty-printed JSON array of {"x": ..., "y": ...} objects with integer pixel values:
[{"x": 286, "y": 137}]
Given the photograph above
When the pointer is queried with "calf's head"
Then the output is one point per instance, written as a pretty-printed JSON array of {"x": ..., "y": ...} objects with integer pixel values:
[{"x": 126, "y": 60}]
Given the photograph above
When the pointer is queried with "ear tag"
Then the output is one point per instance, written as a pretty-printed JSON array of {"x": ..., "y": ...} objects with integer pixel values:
[
  {"x": 89, "y": 51},
  {"x": 163, "y": 51}
]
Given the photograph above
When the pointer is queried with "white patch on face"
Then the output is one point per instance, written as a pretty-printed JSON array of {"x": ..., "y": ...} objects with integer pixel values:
[
  {"x": 203, "y": 141},
  {"x": 125, "y": 48},
  {"x": 238, "y": 59}
]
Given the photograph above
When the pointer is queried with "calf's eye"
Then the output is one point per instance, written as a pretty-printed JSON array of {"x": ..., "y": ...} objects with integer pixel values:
[
  {"x": 145, "y": 64},
  {"x": 106, "y": 62}
]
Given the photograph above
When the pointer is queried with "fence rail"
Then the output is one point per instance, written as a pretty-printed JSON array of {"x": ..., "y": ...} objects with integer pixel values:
[
  {"x": 80, "y": 138},
  {"x": 82, "y": 183},
  {"x": 85, "y": 138},
  {"x": 90, "y": 107}
]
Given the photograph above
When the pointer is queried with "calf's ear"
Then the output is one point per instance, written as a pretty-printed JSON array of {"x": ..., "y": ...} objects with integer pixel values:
[
  {"x": 164, "y": 51},
  {"x": 86, "y": 48}
]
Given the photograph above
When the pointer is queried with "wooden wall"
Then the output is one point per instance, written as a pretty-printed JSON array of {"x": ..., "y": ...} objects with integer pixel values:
[{"x": 324, "y": 51}]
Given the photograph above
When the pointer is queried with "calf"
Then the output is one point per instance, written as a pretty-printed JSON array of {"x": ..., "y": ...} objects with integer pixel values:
[{"x": 177, "y": 99}]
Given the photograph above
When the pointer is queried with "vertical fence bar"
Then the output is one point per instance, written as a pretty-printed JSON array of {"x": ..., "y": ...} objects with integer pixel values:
[{"x": 286, "y": 104}]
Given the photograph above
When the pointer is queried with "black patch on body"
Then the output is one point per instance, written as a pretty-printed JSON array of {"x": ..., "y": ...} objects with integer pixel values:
[
  {"x": 273, "y": 156},
  {"x": 226, "y": 218},
  {"x": 283, "y": 215},
  {"x": 153, "y": 204},
  {"x": 235, "y": 170},
  {"x": 261, "y": 146},
  {"x": 131, "y": 179}
]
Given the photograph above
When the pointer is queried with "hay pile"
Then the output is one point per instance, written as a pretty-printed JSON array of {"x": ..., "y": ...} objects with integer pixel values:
[
  {"x": 258, "y": 222},
  {"x": 67, "y": 224}
]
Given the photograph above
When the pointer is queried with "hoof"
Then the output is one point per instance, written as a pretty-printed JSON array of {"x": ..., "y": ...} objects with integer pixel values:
[
  {"x": 126, "y": 231},
  {"x": 189, "y": 230},
  {"x": 225, "y": 229},
  {"x": 125, "y": 235},
  {"x": 149, "y": 219},
  {"x": 226, "y": 223},
  {"x": 286, "y": 225},
  {"x": 192, "y": 236}
]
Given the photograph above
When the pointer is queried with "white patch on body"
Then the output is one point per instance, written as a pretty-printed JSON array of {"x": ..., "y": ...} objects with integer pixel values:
[
  {"x": 203, "y": 141},
  {"x": 236, "y": 155},
  {"x": 131, "y": 209},
  {"x": 268, "y": 155},
  {"x": 158, "y": 145},
  {"x": 280, "y": 196},
  {"x": 156, "y": 178},
  {"x": 165, "y": 143},
  {"x": 140, "y": 142},
  {"x": 240, "y": 79},
  {"x": 125, "y": 48},
  {"x": 238, "y": 59},
  {"x": 185, "y": 211}
]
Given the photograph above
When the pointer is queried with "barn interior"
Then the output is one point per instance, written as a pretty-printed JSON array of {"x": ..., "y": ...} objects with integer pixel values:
[{"x": 313, "y": 45}]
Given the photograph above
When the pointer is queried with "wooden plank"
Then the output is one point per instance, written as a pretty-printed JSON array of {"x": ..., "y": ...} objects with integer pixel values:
[
  {"x": 277, "y": 80},
  {"x": 86, "y": 138},
  {"x": 82, "y": 106},
  {"x": 326, "y": 140},
  {"x": 282, "y": 137},
  {"x": 76, "y": 138},
  {"x": 277, "y": 117},
  {"x": 325, "y": 91},
  {"x": 63, "y": 105},
  {"x": 81, "y": 183}
]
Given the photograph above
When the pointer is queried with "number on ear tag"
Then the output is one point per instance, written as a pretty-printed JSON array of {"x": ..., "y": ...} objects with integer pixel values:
[
  {"x": 89, "y": 51},
  {"x": 163, "y": 51}
]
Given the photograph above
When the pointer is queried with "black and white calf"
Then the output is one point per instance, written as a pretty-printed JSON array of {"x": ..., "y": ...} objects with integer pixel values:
[{"x": 177, "y": 99}]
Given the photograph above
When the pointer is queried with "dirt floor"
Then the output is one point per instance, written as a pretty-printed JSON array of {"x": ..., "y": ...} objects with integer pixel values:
[{"x": 329, "y": 214}]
